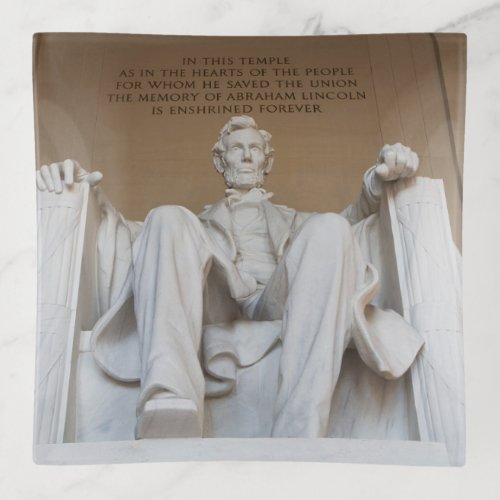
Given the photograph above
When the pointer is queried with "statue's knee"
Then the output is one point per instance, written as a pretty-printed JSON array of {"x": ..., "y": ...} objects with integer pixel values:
[
  {"x": 167, "y": 215},
  {"x": 327, "y": 224}
]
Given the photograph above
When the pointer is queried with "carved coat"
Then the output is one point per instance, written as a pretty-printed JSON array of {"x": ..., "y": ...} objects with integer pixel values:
[{"x": 385, "y": 342}]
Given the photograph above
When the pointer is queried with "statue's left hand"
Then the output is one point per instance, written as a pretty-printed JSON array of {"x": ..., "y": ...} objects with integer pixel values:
[{"x": 395, "y": 162}]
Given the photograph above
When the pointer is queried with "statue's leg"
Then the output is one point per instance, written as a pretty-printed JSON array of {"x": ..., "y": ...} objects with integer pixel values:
[
  {"x": 312, "y": 291},
  {"x": 171, "y": 262}
]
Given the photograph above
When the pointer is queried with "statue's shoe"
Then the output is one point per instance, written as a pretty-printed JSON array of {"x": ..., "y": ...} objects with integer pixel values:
[{"x": 168, "y": 418}]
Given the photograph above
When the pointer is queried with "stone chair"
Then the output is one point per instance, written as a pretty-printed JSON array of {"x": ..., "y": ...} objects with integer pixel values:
[{"x": 418, "y": 418}]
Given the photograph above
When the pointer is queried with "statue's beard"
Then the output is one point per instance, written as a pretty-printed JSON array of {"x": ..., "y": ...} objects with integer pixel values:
[{"x": 234, "y": 178}]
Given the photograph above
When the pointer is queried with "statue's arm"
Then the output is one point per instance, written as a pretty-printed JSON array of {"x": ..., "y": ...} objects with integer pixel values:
[
  {"x": 115, "y": 236},
  {"x": 394, "y": 162},
  {"x": 367, "y": 201}
]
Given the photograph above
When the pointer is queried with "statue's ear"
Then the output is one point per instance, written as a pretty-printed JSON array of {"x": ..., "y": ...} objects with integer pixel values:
[
  {"x": 219, "y": 163},
  {"x": 269, "y": 164}
]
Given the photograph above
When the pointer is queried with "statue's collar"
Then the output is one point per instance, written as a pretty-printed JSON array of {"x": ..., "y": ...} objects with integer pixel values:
[{"x": 255, "y": 195}]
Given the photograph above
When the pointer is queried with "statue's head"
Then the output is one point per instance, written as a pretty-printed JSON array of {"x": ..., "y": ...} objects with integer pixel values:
[{"x": 243, "y": 154}]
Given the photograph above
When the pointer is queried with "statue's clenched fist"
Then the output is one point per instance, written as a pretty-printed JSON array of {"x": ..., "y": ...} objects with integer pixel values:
[
  {"x": 51, "y": 177},
  {"x": 395, "y": 162}
]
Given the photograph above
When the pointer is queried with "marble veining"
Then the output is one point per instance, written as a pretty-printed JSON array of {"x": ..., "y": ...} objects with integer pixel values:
[{"x": 482, "y": 14}]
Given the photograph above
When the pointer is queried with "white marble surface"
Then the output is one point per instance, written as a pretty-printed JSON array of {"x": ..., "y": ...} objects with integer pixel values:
[{"x": 20, "y": 479}]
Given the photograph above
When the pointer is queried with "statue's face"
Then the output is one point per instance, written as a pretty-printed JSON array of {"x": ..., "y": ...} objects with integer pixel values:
[{"x": 244, "y": 159}]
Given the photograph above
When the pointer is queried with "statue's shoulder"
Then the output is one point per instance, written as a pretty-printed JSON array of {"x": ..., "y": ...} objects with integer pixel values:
[
  {"x": 292, "y": 216},
  {"x": 216, "y": 213},
  {"x": 212, "y": 209},
  {"x": 206, "y": 211},
  {"x": 284, "y": 209}
]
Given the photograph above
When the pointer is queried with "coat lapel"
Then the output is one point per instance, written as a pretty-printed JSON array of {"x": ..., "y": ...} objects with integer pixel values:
[{"x": 279, "y": 221}]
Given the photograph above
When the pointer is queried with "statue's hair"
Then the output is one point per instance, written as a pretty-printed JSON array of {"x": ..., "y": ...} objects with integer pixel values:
[{"x": 238, "y": 123}]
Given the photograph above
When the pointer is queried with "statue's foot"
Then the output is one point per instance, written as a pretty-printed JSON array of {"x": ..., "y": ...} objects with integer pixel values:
[{"x": 168, "y": 418}]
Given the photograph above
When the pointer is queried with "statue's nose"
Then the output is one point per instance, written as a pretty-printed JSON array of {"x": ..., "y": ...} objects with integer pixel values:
[{"x": 246, "y": 154}]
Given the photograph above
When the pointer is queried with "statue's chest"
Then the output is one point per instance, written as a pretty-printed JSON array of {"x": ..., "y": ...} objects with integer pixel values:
[{"x": 255, "y": 252}]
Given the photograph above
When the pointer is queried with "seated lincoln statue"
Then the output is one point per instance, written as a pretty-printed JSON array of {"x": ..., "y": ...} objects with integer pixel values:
[{"x": 300, "y": 277}]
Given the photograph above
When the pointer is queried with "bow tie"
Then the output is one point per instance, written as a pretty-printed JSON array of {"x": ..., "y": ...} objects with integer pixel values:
[{"x": 255, "y": 195}]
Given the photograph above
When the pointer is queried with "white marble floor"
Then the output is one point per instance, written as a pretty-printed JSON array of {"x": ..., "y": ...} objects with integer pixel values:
[{"x": 20, "y": 479}]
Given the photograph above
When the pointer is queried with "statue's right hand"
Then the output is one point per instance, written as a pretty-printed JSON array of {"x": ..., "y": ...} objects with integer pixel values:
[{"x": 51, "y": 177}]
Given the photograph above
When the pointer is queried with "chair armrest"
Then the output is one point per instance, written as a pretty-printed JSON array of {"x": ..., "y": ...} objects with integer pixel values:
[
  {"x": 62, "y": 229},
  {"x": 429, "y": 274}
]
